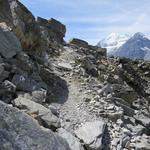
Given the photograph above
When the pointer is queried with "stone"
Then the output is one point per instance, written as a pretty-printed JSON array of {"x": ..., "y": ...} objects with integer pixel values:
[
  {"x": 138, "y": 129},
  {"x": 7, "y": 91},
  {"x": 125, "y": 106},
  {"x": 91, "y": 134},
  {"x": 79, "y": 43},
  {"x": 54, "y": 110},
  {"x": 25, "y": 84},
  {"x": 20, "y": 131},
  {"x": 107, "y": 89},
  {"x": 50, "y": 120},
  {"x": 1, "y": 59},
  {"x": 65, "y": 66},
  {"x": 57, "y": 87},
  {"x": 22, "y": 65},
  {"x": 38, "y": 96},
  {"x": 73, "y": 142},
  {"x": 125, "y": 92},
  {"x": 9, "y": 44},
  {"x": 142, "y": 119},
  {"x": 125, "y": 140},
  {"x": 141, "y": 144},
  {"x": 102, "y": 52},
  {"x": 9, "y": 86}
]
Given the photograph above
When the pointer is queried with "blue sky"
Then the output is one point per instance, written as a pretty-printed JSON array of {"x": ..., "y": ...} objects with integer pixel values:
[{"x": 92, "y": 20}]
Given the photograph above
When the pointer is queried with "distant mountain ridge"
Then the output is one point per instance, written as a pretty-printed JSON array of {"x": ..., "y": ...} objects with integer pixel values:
[{"x": 133, "y": 47}]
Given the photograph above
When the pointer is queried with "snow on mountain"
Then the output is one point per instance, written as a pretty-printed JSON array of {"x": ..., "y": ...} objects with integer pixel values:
[
  {"x": 113, "y": 41},
  {"x": 137, "y": 47}
]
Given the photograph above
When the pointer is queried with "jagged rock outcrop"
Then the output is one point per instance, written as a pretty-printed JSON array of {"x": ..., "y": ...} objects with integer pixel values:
[
  {"x": 26, "y": 27},
  {"x": 23, "y": 23},
  {"x": 55, "y": 29}
]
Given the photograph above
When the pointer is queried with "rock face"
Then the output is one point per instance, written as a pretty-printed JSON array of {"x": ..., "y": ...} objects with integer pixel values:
[
  {"x": 7, "y": 92},
  {"x": 23, "y": 23},
  {"x": 5, "y": 13},
  {"x": 53, "y": 31},
  {"x": 26, "y": 27},
  {"x": 10, "y": 45},
  {"x": 19, "y": 131},
  {"x": 91, "y": 134}
]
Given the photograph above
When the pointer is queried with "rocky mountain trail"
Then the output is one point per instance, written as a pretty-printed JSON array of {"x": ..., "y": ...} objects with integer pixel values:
[{"x": 61, "y": 96}]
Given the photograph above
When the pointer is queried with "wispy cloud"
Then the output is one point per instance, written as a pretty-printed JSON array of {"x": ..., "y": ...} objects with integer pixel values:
[{"x": 93, "y": 20}]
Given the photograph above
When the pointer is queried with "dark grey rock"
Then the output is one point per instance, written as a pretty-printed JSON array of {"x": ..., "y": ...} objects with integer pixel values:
[
  {"x": 7, "y": 91},
  {"x": 9, "y": 44},
  {"x": 25, "y": 84},
  {"x": 19, "y": 131}
]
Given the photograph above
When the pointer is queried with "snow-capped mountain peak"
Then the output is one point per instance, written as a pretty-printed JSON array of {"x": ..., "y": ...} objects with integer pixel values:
[
  {"x": 113, "y": 41},
  {"x": 137, "y": 47}
]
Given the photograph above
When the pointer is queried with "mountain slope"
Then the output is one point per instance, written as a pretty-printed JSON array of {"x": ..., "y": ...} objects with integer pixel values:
[
  {"x": 113, "y": 41},
  {"x": 137, "y": 47}
]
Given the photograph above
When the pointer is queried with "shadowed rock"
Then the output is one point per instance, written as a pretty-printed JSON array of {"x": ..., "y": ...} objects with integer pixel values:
[
  {"x": 9, "y": 44},
  {"x": 18, "y": 131}
]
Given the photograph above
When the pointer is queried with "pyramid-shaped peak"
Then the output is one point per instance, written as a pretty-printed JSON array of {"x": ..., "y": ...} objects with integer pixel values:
[{"x": 139, "y": 35}]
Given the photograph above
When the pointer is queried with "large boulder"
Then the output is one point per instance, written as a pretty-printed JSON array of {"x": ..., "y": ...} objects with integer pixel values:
[
  {"x": 91, "y": 134},
  {"x": 48, "y": 119},
  {"x": 73, "y": 142},
  {"x": 7, "y": 91},
  {"x": 3, "y": 73},
  {"x": 57, "y": 90},
  {"x": 25, "y": 84},
  {"x": 9, "y": 44},
  {"x": 19, "y": 131}
]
